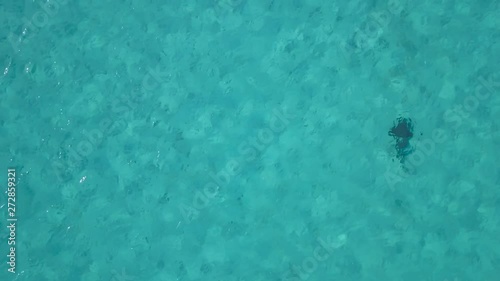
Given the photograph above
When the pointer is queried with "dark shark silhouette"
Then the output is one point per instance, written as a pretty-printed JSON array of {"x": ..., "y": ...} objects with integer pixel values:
[{"x": 402, "y": 132}]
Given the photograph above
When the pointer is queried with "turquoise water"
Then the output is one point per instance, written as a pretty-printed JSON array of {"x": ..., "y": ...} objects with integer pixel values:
[{"x": 249, "y": 140}]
